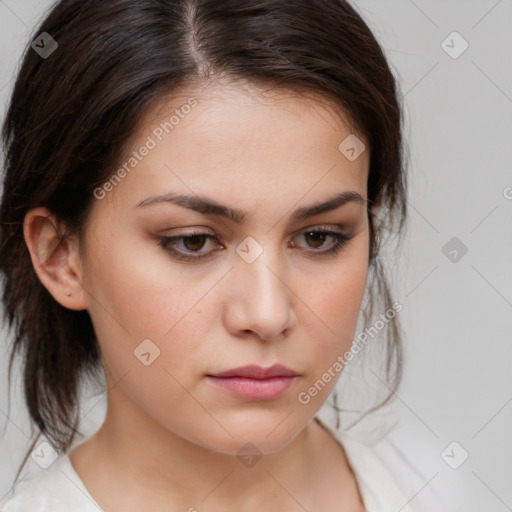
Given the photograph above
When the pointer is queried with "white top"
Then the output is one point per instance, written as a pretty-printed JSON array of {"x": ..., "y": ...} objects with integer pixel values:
[{"x": 59, "y": 488}]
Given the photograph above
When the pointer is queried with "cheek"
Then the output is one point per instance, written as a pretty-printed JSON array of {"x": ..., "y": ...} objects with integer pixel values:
[
  {"x": 338, "y": 299},
  {"x": 342, "y": 302},
  {"x": 174, "y": 306},
  {"x": 150, "y": 326},
  {"x": 177, "y": 309},
  {"x": 336, "y": 303},
  {"x": 136, "y": 288}
]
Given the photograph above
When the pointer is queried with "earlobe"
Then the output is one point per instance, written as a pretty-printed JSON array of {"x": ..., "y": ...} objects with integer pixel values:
[{"x": 55, "y": 258}]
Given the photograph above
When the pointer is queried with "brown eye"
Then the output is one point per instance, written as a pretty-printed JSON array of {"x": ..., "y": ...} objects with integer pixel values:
[
  {"x": 316, "y": 241},
  {"x": 194, "y": 246},
  {"x": 194, "y": 242},
  {"x": 190, "y": 247},
  {"x": 316, "y": 237}
]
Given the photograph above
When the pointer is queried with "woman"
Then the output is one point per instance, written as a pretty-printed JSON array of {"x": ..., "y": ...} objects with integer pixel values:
[{"x": 194, "y": 198}]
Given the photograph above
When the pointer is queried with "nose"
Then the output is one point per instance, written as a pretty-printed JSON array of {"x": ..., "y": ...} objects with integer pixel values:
[{"x": 261, "y": 300}]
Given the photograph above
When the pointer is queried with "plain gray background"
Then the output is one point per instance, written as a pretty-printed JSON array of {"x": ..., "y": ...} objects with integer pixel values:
[{"x": 457, "y": 314}]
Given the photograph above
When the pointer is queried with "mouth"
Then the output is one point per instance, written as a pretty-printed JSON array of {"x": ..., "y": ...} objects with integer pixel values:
[{"x": 254, "y": 382}]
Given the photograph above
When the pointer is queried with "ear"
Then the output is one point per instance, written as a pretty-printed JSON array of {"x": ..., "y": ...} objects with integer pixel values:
[{"x": 55, "y": 258}]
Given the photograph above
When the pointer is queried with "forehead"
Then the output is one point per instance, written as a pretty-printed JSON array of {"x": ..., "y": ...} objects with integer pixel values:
[
  {"x": 243, "y": 141},
  {"x": 246, "y": 106}
]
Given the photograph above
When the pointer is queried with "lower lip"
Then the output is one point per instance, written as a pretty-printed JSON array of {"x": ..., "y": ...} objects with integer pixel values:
[{"x": 254, "y": 389}]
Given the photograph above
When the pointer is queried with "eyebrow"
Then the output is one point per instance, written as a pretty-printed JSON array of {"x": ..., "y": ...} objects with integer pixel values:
[{"x": 209, "y": 206}]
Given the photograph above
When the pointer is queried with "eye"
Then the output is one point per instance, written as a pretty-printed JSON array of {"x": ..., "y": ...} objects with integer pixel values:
[
  {"x": 316, "y": 239},
  {"x": 191, "y": 246}
]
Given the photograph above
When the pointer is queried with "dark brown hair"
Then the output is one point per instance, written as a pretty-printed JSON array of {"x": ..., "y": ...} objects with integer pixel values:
[{"x": 72, "y": 114}]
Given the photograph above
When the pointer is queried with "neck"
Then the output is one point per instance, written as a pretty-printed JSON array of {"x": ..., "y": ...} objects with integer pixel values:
[{"x": 144, "y": 455}]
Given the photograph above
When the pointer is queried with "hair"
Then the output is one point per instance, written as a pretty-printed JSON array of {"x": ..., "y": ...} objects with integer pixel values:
[{"x": 72, "y": 115}]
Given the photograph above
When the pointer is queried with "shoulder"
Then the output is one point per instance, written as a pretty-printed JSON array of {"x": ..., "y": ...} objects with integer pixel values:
[
  {"x": 55, "y": 489},
  {"x": 378, "y": 480},
  {"x": 387, "y": 479}
]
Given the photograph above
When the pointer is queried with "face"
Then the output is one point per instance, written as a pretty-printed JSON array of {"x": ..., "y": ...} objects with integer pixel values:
[{"x": 207, "y": 256}]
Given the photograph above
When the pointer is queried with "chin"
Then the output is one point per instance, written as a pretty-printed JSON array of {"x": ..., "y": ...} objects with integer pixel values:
[{"x": 263, "y": 434}]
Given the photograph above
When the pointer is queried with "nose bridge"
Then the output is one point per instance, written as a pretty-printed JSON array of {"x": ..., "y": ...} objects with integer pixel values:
[{"x": 262, "y": 297}]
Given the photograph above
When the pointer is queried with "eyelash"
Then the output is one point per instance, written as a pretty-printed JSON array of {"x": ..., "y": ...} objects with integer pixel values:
[{"x": 340, "y": 241}]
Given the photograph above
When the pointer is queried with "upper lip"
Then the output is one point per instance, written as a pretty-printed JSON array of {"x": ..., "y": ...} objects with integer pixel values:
[{"x": 257, "y": 372}]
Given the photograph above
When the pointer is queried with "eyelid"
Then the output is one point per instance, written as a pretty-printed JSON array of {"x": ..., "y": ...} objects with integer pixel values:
[
  {"x": 198, "y": 230},
  {"x": 202, "y": 230},
  {"x": 320, "y": 227},
  {"x": 340, "y": 238}
]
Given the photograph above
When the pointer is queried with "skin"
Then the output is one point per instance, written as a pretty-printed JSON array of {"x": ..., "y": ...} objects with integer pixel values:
[{"x": 171, "y": 437}]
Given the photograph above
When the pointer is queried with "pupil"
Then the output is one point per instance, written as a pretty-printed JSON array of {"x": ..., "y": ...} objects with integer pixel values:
[
  {"x": 318, "y": 237},
  {"x": 192, "y": 241}
]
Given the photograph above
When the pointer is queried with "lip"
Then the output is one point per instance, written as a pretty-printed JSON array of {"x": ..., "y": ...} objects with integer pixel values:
[
  {"x": 255, "y": 382},
  {"x": 257, "y": 372}
]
